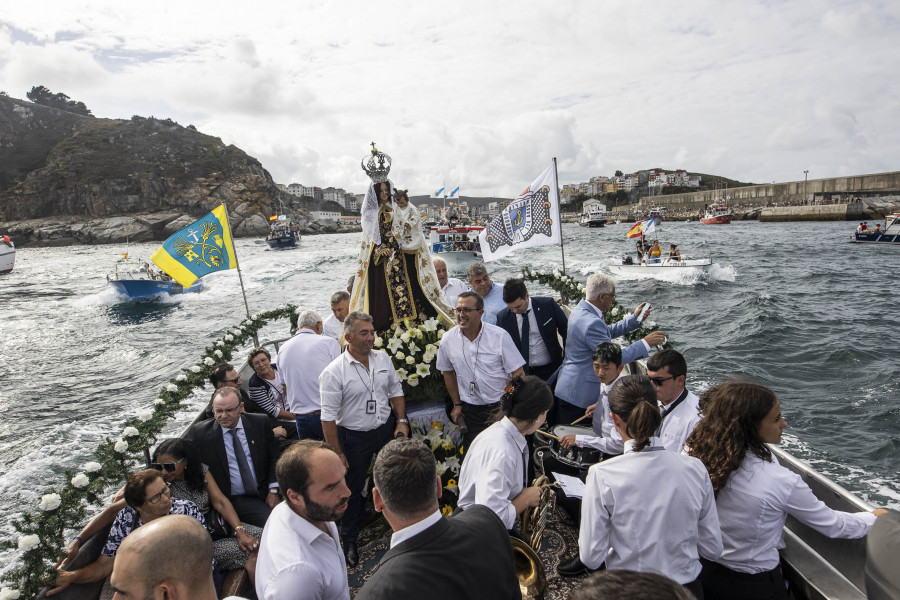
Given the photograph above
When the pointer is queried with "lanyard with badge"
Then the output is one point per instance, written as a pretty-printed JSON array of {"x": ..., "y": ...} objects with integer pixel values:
[
  {"x": 370, "y": 403},
  {"x": 474, "y": 365}
]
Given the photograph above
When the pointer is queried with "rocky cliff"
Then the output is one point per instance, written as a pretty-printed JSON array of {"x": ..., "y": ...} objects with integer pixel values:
[{"x": 65, "y": 178}]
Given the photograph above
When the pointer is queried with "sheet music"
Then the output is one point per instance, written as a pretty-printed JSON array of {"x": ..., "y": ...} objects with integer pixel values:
[{"x": 572, "y": 486}]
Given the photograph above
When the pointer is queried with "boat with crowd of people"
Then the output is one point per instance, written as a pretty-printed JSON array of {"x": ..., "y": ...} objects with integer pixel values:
[
  {"x": 717, "y": 214},
  {"x": 889, "y": 234},
  {"x": 456, "y": 245}
]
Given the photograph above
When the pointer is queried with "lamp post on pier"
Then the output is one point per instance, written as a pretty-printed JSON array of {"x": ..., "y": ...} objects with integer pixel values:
[{"x": 805, "y": 174}]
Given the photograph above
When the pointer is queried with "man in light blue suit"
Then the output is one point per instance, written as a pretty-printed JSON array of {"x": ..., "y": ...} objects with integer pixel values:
[{"x": 577, "y": 386}]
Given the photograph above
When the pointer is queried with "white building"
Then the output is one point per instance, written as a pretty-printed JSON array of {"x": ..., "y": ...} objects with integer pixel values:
[
  {"x": 295, "y": 189},
  {"x": 325, "y": 215},
  {"x": 594, "y": 207}
]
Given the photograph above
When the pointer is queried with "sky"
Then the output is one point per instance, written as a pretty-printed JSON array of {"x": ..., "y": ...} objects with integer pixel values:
[{"x": 483, "y": 94}]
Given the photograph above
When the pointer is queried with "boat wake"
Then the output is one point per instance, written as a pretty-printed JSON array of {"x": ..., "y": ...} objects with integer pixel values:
[{"x": 685, "y": 276}]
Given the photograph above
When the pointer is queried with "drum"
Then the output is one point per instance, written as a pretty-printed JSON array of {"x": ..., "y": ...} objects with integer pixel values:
[{"x": 580, "y": 458}]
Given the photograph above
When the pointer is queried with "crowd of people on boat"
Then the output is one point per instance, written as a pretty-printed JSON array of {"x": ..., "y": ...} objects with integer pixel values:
[{"x": 684, "y": 497}]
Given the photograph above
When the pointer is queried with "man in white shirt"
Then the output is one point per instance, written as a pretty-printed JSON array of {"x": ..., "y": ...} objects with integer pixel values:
[
  {"x": 300, "y": 553},
  {"x": 334, "y": 325},
  {"x": 680, "y": 408},
  {"x": 301, "y": 360},
  {"x": 359, "y": 389},
  {"x": 492, "y": 294},
  {"x": 476, "y": 359},
  {"x": 451, "y": 287},
  {"x": 435, "y": 557}
]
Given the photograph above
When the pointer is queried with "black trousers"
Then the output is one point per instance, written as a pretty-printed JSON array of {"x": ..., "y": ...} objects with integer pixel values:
[
  {"x": 478, "y": 418},
  {"x": 251, "y": 509},
  {"x": 721, "y": 582},
  {"x": 567, "y": 412},
  {"x": 360, "y": 447}
]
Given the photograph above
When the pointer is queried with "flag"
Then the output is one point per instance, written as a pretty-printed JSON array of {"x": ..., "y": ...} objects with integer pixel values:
[
  {"x": 454, "y": 194},
  {"x": 273, "y": 218},
  {"x": 438, "y": 193},
  {"x": 637, "y": 230},
  {"x": 649, "y": 226},
  {"x": 532, "y": 219},
  {"x": 201, "y": 248}
]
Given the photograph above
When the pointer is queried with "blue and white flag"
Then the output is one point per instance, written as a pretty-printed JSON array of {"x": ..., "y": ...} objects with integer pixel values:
[
  {"x": 649, "y": 226},
  {"x": 454, "y": 195},
  {"x": 532, "y": 219},
  {"x": 437, "y": 194}
]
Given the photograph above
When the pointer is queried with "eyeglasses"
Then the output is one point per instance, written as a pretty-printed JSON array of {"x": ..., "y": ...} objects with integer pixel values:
[
  {"x": 259, "y": 361},
  {"x": 465, "y": 311},
  {"x": 156, "y": 498},
  {"x": 238, "y": 378},
  {"x": 169, "y": 467},
  {"x": 658, "y": 381},
  {"x": 222, "y": 411}
]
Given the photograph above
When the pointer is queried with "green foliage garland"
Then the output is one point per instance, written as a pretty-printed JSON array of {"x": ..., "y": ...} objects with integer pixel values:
[{"x": 41, "y": 532}]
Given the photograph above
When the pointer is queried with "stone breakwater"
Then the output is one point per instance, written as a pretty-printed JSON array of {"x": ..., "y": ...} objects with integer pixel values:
[{"x": 78, "y": 230}]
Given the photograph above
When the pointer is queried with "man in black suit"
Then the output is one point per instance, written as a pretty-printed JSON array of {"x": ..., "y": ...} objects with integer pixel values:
[
  {"x": 466, "y": 556},
  {"x": 533, "y": 324},
  {"x": 241, "y": 451}
]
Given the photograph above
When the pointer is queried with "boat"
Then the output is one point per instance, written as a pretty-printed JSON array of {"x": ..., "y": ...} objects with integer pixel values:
[
  {"x": 889, "y": 235},
  {"x": 282, "y": 233},
  {"x": 7, "y": 255},
  {"x": 657, "y": 213},
  {"x": 628, "y": 266},
  {"x": 456, "y": 245},
  {"x": 145, "y": 283},
  {"x": 717, "y": 214}
]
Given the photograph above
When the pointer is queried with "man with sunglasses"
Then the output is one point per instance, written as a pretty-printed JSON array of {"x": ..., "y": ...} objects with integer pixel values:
[
  {"x": 680, "y": 408},
  {"x": 241, "y": 452}
]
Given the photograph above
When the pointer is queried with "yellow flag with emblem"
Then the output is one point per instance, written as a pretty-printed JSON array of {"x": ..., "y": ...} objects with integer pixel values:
[{"x": 203, "y": 247}]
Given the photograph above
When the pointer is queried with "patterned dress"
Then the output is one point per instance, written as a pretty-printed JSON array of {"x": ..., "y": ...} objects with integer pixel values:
[
  {"x": 128, "y": 520},
  {"x": 228, "y": 555}
]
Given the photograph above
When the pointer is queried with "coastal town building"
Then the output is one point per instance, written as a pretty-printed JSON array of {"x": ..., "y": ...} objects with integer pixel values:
[{"x": 325, "y": 215}]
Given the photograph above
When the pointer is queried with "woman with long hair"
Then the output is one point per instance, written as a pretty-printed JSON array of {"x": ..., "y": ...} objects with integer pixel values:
[
  {"x": 648, "y": 510},
  {"x": 494, "y": 472},
  {"x": 754, "y": 494}
]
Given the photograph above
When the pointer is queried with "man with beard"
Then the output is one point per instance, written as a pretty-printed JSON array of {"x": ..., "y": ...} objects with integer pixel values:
[{"x": 300, "y": 553}]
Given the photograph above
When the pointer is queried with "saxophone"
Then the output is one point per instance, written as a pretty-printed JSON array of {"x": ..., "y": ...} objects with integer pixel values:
[{"x": 530, "y": 570}]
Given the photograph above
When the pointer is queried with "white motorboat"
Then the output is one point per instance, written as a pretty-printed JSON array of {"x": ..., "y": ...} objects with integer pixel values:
[
  {"x": 7, "y": 254},
  {"x": 665, "y": 268},
  {"x": 457, "y": 245}
]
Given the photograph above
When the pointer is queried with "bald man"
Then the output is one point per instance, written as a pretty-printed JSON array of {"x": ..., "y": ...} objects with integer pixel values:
[
  {"x": 146, "y": 566},
  {"x": 451, "y": 287}
]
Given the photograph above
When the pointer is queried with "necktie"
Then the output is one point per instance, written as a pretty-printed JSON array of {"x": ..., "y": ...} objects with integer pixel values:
[
  {"x": 243, "y": 465},
  {"x": 526, "y": 335}
]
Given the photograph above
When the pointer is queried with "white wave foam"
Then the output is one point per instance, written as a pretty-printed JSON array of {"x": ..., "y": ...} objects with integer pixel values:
[
  {"x": 686, "y": 276},
  {"x": 107, "y": 297}
]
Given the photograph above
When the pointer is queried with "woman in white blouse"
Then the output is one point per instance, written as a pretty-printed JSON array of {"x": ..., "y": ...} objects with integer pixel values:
[
  {"x": 495, "y": 470},
  {"x": 754, "y": 494},
  {"x": 649, "y": 510}
]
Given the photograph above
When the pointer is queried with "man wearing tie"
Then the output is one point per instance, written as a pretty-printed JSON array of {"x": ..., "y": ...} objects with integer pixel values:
[
  {"x": 241, "y": 453},
  {"x": 533, "y": 324}
]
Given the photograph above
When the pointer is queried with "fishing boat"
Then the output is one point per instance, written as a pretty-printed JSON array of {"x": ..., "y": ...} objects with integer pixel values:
[
  {"x": 145, "y": 283},
  {"x": 457, "y": 245},
  {"x": 890, "y": 234},
  {"x": 717, "y": 214},
  {"x": 628, "y": 266},
  {"x": 657, "y": 214},
  {"x": 282, "y": 233},
  {"x": 7, "y": 255}
]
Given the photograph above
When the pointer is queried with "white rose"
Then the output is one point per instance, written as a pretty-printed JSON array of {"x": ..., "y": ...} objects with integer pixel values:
[
  {"x": 130, "y": 432},
  {"x": 92, "y": 467},
  {"x": 378, "y": 342},
  {"x": 145, "y": 415},
  {"x": 196, "y": 368},
  {"x": 121, "y": 446},
  {"x": 181, "y": 377},
  {"x": 410, "y": 360},
  {"x": 220, "y": 343},
  {"x": 650, "y": 324},
  {"x": 159, "y": 401},
  {"x": 405, "y": 337},
  {"x": 218, "y": 353},
  {"x": 400, "y": 355},
  {"x": 29, "y": 542},
  {"x": 50, "y": 502},
  {"x": 171, "y": 387},
  {"x": 440, "y": 333},
  {"x": 229, "y": 337},
  {"x": 208, "y": 361},
  {"x": 412, "y": 380},
  {"x": 80, "y": 480},
  {"x": 9, "y": 594}
]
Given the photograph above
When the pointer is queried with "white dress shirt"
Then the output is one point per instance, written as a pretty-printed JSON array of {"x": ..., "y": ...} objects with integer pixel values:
[
  {"x": 347, "y": 388},
  {"x": 494, "y": 470},
  {"x": 415, "y": 529},
  {"x": 609, "y": 440},
  {"x": 678, "y": 424},
  {"x": 649, "y": 511},
  {"x": 300, "y": 361},
  {"x": 485, "y": 361},
  {"x": 538, "y": 355},
  {"x": 332, "y": 328},
  {"x": 754, "y": 505},
  {"x": 453, "y": 289},
  {"x": 297, "y": 560}
]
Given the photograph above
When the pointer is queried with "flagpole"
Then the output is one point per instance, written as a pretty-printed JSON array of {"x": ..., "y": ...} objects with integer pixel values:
[
  {"x": 562, "y": 247},
  {"x": 237, "y": 265}
]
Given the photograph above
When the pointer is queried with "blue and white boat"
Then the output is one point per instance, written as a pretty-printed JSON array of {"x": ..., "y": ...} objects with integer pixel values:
[
  {"x": 889, "y": 235},
  {"x": 7, "y": 254},
  {"x": 146, "y": 283}
]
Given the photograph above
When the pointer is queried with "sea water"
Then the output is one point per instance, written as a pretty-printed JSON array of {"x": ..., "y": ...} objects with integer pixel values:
[{"x": 793, "y": 305}]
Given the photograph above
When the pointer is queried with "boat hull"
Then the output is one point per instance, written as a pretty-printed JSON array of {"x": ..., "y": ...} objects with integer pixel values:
[
  {"x": 876, "y": 238},
  {"x": 458, "y": 260},
  {"x": 145, "y": 290},
  {"x": 700, "y": 264},
  {"x": 282, "y": 242},
  {"x": 717, "y": 220},
  {"x": 593, "y": 223},
  {"x": 7, "y": 258}
]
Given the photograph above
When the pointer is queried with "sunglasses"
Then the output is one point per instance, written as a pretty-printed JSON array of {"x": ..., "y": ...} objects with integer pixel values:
[
  {"x": 168, "y": 467},
  {"x": 658, "y": 381}
]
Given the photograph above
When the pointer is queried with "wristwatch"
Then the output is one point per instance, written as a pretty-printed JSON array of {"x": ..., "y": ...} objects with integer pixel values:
[{"x": 403, "y": 421}]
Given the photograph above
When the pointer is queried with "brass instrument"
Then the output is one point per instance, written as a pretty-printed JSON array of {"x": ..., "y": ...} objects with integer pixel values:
[{"x": 530, "y": 570}]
